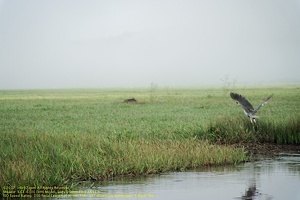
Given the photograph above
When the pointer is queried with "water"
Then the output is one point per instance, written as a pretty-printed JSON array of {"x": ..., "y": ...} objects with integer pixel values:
[{"x": 276, "y": 178}]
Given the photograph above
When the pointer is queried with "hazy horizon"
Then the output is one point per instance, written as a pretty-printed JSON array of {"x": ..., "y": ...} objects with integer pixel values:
[{"x": 171, "y": 43}]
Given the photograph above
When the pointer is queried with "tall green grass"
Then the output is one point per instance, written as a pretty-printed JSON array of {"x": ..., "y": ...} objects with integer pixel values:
[
  {"x": 56, "y": 159},
  {"x": 61, "y": 137},
  {"x": 231, "y": 130}
]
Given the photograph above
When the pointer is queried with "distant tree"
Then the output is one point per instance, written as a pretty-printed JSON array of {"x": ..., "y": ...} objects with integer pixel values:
[
  {"x": 152, "y": 91},
  {"x": 228, "y": 83}
]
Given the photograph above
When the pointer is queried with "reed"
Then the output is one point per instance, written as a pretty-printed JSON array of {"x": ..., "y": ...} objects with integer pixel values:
[
  {"x": 59, "y": 159},
  {"x": 231, "y": 130}
]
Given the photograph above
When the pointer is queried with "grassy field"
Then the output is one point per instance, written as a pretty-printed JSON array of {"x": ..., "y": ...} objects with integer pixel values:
[{"x": 60, "y": 137}]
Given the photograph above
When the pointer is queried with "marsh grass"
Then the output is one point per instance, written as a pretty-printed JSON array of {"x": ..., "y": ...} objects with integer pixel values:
[
  {"x": 231, "y": 130},
  {"x": 62, "y": 137},
  {"x": 55, "y": 159}
]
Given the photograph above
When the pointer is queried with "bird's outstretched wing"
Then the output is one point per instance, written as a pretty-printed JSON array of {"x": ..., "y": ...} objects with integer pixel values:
[
  {"x": 263, "y": 103},
  {"x": 239, "y": 99}
]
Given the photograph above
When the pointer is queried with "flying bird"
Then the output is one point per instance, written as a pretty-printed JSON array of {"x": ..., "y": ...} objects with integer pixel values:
[{"x": 246, "y": 105}]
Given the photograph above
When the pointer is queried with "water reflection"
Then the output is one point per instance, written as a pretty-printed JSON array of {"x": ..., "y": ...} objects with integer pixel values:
[
  {"x": 277, "y": 178},
  {"x": 251, "y": 193}
]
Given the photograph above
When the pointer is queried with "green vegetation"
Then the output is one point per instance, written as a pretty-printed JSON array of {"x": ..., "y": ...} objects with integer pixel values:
[{"x": 60, "y": 137}]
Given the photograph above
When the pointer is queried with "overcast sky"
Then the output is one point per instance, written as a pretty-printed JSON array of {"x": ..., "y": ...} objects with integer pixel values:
[{"x": 131, "y": 43}]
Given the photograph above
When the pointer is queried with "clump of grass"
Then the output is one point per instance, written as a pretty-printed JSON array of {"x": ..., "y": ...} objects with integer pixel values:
[
  {"x": 231, "y": 130},
  {"x": 60, "y": 159},
  {"x": 285, "y": 131}
]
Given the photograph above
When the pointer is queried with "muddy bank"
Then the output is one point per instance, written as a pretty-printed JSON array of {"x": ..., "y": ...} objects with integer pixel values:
[{"x": 268, "y": 149}]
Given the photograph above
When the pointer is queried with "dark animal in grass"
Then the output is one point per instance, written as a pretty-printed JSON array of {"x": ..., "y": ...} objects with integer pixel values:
[
  {"x": 246, "y": 105},
  {"x": 131, "y": 100}
]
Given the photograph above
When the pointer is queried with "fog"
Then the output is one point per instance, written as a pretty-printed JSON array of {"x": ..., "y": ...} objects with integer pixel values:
[{"x": 133, "y": 43}]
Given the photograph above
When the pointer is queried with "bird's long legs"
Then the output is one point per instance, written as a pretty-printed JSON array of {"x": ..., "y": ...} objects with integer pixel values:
[{"x": 254, "y": 124}]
